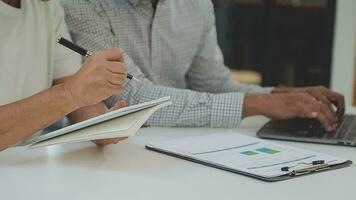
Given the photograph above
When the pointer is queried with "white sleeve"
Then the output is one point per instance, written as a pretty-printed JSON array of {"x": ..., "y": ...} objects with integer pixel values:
[{"x": 66, "y": 62}]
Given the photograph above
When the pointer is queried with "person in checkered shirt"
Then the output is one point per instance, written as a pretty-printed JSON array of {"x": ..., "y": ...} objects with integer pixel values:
[{"x": 171, "y": 46}]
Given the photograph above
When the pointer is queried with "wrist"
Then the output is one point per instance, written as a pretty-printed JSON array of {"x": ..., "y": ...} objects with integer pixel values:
[
  {"x": 282, "y": 90},
  {"x": 255, "y": 104},
  {"x": 70, "y": 96}
]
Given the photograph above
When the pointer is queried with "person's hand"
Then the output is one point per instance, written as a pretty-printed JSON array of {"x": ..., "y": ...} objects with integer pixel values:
[
  {"x": 320, "y": 93},
  {"x": 290, "y": 105},
  {"x": 104, "y": 142},
  {"x": 101, "y": 76}
]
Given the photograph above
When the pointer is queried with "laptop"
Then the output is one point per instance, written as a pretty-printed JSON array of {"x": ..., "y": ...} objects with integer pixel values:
[{"x": 310, "y": 130}]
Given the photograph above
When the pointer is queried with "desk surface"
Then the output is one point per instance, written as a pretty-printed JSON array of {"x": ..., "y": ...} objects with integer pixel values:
[{"x": 129, "y": 171}]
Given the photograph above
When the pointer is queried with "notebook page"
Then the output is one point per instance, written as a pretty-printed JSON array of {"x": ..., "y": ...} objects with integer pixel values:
[
  {"x": 96, "y": 120},
  {"x": 124, "y": 126}
]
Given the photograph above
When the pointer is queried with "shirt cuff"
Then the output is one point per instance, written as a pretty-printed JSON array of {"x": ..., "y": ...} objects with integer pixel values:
[
  {"x": 263, "y": 90},
  {"x": 227, "y": 110},
  {"x": 268, "y": 89}
]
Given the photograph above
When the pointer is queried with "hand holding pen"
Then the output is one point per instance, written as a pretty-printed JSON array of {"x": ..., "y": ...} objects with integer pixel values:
[
  {"x": 101, "y": 76},
  {"x": 70, "y": 45}
]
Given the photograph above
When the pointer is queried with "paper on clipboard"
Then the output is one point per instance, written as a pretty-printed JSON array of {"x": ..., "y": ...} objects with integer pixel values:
[{"x": 243, "y": 153}]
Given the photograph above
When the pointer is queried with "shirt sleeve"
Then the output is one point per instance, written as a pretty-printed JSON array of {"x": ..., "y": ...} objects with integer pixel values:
[
  {"x": 208, "y": 72},
  {"x": 66, "y": 62},
  {"x": 90, "y": 27}
]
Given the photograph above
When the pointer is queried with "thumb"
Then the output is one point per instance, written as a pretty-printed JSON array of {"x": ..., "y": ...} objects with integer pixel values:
[{"x": 118, "y": 105}]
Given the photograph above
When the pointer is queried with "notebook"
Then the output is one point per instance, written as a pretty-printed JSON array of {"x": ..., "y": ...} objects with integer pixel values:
[
  {"x": 249, "y": 156},
  {"x": 124, "y": 122}
]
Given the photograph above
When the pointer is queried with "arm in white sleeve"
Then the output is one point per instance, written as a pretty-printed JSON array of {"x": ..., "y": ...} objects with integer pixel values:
[{"x": 66, "y": 62}]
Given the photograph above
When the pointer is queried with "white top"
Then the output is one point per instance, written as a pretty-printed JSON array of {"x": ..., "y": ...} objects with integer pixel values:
[{"x": 30, "y": 59}]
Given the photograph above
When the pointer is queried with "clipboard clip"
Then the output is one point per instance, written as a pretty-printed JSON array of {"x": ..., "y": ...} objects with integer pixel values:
[{"x": 315, "y": 166}]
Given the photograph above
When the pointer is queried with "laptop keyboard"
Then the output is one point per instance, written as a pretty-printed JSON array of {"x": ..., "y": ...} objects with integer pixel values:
[
  {"x": 311, "y": 128},
  {"x": 345, "y": 131}
]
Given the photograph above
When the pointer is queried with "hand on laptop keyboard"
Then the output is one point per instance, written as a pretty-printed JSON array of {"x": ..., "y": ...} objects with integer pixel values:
[
  {"x": 320, "y": 93},
  {"x": 303, "y": 105},
  {"x": 331, "y": 100}
]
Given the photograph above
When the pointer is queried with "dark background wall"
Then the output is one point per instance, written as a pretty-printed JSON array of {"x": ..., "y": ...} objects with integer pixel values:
[{"x": 289, "y": 42}]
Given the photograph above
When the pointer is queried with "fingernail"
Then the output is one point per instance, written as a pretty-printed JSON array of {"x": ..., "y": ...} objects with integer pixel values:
[
  {"x": 314, "y": 114},
  {"x": 329, "y": 128},
  {"x": 335, "y": 126}
]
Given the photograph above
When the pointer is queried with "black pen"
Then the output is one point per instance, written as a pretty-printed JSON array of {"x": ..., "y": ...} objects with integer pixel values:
[{"x": 70, "y": 45}]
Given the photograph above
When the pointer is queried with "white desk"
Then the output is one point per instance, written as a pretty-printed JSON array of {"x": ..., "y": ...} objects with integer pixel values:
[{"x": 129, "y": 171}]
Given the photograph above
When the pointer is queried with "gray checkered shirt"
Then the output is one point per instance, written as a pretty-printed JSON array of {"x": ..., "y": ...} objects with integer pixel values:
[{"x": 172, "y": 50}]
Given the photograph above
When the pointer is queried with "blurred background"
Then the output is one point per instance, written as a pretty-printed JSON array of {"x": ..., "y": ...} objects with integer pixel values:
[{"x": 289, "y": 42}]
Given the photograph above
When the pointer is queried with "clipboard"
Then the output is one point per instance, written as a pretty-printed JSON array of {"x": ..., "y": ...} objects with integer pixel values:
[{"x": 291, "y": 171}]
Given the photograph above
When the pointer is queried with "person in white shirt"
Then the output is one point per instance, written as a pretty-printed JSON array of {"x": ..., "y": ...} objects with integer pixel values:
[{"x": 40, "y": 81}]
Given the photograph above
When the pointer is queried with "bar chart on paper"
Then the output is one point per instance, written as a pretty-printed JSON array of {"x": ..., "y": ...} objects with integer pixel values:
[{"x": 244, "y": 153}]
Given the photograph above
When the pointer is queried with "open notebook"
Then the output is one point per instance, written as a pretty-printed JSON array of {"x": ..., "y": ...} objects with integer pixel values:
[
  {"x": 249, "y": 156},
  {"x": 123, "y": 122}
]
